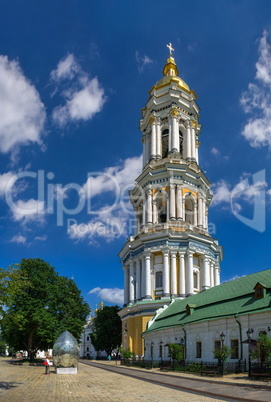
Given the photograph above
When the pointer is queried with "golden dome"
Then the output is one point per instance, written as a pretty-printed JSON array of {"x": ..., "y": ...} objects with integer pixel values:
[{"x": 171, "y": 72}]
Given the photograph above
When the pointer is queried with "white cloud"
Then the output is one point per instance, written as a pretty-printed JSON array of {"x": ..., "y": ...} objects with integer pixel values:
[
  {"x": 41, "y": 238},
  {"x": 22, "y": 114},
  {"x": 31, "y": 210},
  {"x": 83, "y": 99},
  {"x": 6, "y": 182},
  {"x": 113, "y": 295},
  {"x": 108, "y": 224},
  {"x": 66, "y": 69},
  {"x": 215, "y": 151},
  {"x": 142, "y": 61},
  {"x": 18, "y": 239},
  {"x": 242, "y": 192},
  {"x": 256, "y": 101},
  {"x": 116, "y": 178}
]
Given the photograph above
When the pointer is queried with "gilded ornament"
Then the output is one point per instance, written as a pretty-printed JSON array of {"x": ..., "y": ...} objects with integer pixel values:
[
  {"x": 194, "y": 124},
  {"x": 174, "y": 112},
  {"x": 151, "y": 119}
]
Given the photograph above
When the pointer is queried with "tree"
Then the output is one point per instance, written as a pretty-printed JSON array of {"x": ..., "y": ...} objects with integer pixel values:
[
  {"x": 40, "y": 306},
  {"x": 106, "y": 329},
  {"x": 222, "y": 353},
  {"x": 262, "y": 351},
  {"x": 176, "y": 352}
]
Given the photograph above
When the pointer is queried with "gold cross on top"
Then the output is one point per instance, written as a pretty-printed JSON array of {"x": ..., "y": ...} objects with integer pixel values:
[{"x": 170, "y": 48}]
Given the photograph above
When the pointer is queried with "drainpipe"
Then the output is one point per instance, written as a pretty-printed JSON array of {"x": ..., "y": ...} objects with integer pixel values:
[
  {"x": 184, "y": 330},
  {"x": 240, "y": 334}
]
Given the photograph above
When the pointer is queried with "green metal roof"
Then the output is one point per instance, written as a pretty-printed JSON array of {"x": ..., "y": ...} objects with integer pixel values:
[{"x": 235, "y": 297}]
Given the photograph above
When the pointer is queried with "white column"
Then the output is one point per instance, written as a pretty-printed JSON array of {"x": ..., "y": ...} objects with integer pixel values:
[
  {"x": 131, "y": 280},
  {"x": 149, "y": 207},
  {"x": 154, "y": 212},
  {"x": 175, "y": 143},
  {"x": 170, "y": 133},
  {"x": 212, "y": 265},
  {"x": 206, "y": 273},
  {"x": 144, "y": 150},
  {"x": 196, "y": 214},
  {"x": 126, "y": 285},
  {"x": 182, "y": 275},
  {"x": 189, "y": 274},
  {"x": 193, "y": 144},
  {"x": 200, "y": 211},
  {"x": 172, "y": 203},
  {"x": 153, "y": 140},
  {"x": 203, "y": 214},
  {"x": 217, "y": 274},
  {"x": 197, "y": 152},
  {"x": 144, "y": 212},
  {"x": 173, "y": 273},
  {"x": 158, "y": 141},
  {"x": 143, "y": 277},
  {"x": 138, "y": 280},
  {"x": 148, "y": 276},
  {"x": 166, "y": 274},
  {"x": 188, "y": 141},
  {"x": 167, "y": 208},
  {"x": 179, "y": 203}
]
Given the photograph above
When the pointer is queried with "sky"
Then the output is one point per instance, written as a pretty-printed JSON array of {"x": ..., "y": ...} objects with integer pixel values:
[{"x": 74, "y": 75}]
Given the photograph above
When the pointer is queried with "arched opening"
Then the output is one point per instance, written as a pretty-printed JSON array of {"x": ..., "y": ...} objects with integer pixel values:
[
  {"x": 181, "y": 142},
  {"x": 165, "y": 134},
  {"x": 189, "y": 210},
  {"x": 161, "y": 201}
]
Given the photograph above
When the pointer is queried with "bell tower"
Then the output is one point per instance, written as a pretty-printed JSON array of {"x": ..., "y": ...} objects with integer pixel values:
[{"x": 171, "y": 254}]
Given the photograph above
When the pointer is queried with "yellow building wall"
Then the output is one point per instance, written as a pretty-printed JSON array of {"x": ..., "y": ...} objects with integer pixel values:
[{"x": 135, "y": 327}]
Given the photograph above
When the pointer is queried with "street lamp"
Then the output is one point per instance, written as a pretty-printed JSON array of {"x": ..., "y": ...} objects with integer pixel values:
[
  {"x": 161, "y": 351},
  {"x": 222, "y": 337},
  {"x": 152, "y": 354},
  {"x": 249, "y": 334}
]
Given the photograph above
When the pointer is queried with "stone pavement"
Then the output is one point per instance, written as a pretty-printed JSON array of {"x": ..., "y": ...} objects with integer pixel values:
[{"x": 29, "y": 383}]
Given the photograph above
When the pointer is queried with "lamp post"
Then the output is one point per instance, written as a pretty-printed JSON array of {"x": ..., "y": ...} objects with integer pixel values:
[
  {"x": 152, "y": 354},
  {"x": 222, "y": 337},
  {"x": 249, "y": 334},
  {"x": 161, "y": 351}
]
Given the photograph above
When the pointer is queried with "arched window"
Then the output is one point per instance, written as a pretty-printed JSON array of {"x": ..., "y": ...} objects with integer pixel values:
[
  {"x": 181, "y": 142},
  {"x": 189, "y": 210},
  {"x": 196, "y": 280},
  {"x": 158, "y": 279},
  {"x": 161, "y": 201},
  {"x": 165, "y": 134}
]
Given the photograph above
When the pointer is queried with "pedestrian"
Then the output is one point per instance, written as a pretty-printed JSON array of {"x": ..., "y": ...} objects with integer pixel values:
[
  {"x": 109, "y": 358},
  {"x": 47, "y": 365}
]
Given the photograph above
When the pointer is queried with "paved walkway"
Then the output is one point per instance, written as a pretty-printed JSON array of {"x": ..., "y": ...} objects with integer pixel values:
[{"x": 92, "y": 383}]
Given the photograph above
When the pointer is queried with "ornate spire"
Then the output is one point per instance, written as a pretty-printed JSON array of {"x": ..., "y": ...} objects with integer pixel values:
[{"x": 170, "y": 68}]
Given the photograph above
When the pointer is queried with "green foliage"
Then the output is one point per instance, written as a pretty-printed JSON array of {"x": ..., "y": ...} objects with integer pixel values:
[
  {"x": 126, "y": 353},
  {"x": 106, "y": 327},
  {"x": 222, "y": 353},
  {"x": 40, "y": 306},
  {"x": 263, "y": 349},
  {"x": 175, "y": 351}
]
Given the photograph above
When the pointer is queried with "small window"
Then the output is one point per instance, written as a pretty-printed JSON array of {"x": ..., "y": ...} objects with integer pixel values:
[
  {"x": 160, "y": 350},
  {"x": 87, "y": 349},
  {"x": 217, "y": 345},
  {"x": 198, "y": 350},
  {"x": 159, "y": 279},
  {"x": 260, "y": 291},
  {"x": 151, "y": 350},
  {"x": 195, "y": 279},
  {"x": 87, "y": 338},
  {"x": 234, "y": 349}
]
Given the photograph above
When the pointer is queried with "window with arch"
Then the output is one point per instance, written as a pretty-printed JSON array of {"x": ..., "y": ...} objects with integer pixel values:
[
  {"x": 189, "y": 210},
  {"x": 196, "y": 280},
  {"x": 181, "y": 142},
  {"x": 165, "y": 135},
  {"x": 159, "y": 279},
  {"x": 161, "y": 202}
]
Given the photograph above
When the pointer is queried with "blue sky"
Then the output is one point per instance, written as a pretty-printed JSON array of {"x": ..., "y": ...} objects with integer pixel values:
[{"x": 74, "y": 76}]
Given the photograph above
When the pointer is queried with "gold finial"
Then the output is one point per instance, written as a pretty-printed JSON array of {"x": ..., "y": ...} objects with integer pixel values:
[{"x": 170, "y": 48}]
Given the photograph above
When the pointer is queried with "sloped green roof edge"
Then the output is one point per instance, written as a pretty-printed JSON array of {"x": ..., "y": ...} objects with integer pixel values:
[{"x": 236, "y": 297}]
